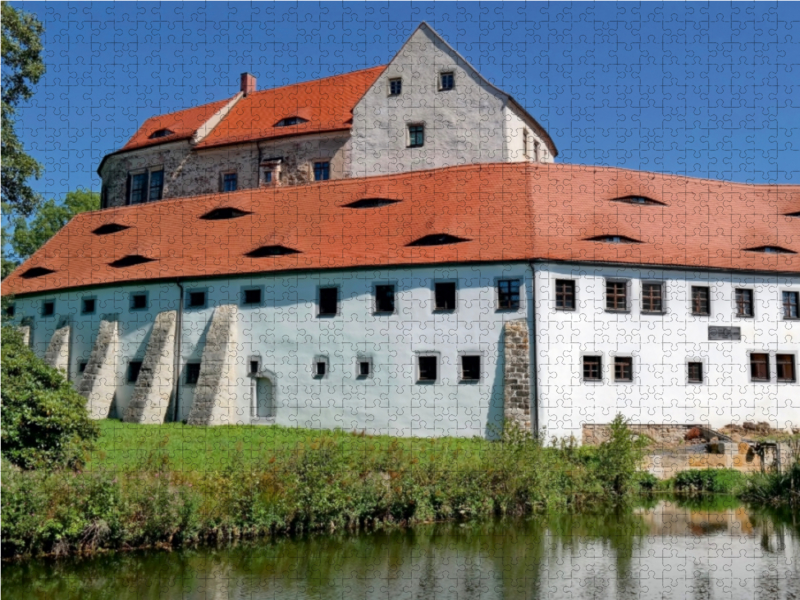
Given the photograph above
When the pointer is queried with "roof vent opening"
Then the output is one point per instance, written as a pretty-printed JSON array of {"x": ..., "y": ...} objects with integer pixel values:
[
  {"x": 289, "y": 121},
  {"x": 130, "y": 261},
  {"x": 267, "y": 251},
  {"x": 770, "y": 250},
  {"x": 36, "y": 272},
  {"x": 371, "y": 203},
  {"x": 437, "y": 239},
  {"x": 640, "y": 200},
  {"x": 109, "y": 228},
  {"x": 161, "y": 133},
  {"x": 226, "y": 212},
  {"x": 613, "y": 239}
]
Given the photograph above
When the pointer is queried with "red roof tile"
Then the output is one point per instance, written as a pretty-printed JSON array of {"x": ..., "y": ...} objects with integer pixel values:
[{"x": 508, "y": 212}]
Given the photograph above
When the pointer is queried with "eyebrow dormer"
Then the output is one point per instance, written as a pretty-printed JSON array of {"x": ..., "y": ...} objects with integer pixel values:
[
  {"x": 130, "y": 261},
  {"x": 289, "y": 121},
  {"x": 640, "y": 200},
  {"x": 770, "y": 250},
  {"x": 613, "y": 239},
  {"x": 269, "y": 251},
  {"x": 437, "y": 239},
  {"x": 161, "y": 133}
]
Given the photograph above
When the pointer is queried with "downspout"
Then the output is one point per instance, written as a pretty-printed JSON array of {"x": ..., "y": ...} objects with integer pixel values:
[
  {"x": 177, "y": 351},
  {"x": 532, "y": 342}
]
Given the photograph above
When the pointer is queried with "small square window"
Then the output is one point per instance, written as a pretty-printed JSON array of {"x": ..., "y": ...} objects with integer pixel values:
[
  {"x": 447, "y": 81},
  {"x": 790, "y": 305},
  {"x": 416, "y": 136},
  {"x": 82, "y": 366},
  {"x": 328, "y": 301},
  {"x": 11, "y": 310},
  {"x": 565, "y": 294},
  {"x": 428, "y": 368},
  {"x": 251, "y": 296},
  {"x": 88, "y": 306},
  {"x": 744, "y": 303},
  {"x": 395, "y": 87},
  {"x": 616, "y": 295},
  {"x": 695, "y": 372},
  {"x": 592, "y": 368},
  {"x": 786, "y": 370},
  {"x": 652, "y": 298},
  {"x": 192, "y": 373},
  {"x": 322, "y": 171},
  {"x": 445, "y": 295},
  {"x": 320, "y": 368},
  {"x": 759, "y": 367},
  {"x": 384, "y": 298},
  {"x": 470, "y": 368},
  {"x": 508, "y": 294},
  {"x": 134, "y": 367},
  {"x": 138, "y": 301},
  {"x": 48, "y": 308},
  {"x": 196, "y": 299},
  {"x": 255, "y": 366},
  {"x": 230, "y": 182},
  {"x": 623, "y": 368},
  {"x": 701, "y": 300},
  {"x": 364, "y": 368}
]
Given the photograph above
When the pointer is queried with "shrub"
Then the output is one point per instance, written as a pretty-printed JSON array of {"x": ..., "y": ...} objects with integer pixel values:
[
  {"x": 715, "y": 481},
  {"x": 45, "y": 422},
  {"x": 619, "y": 458}
]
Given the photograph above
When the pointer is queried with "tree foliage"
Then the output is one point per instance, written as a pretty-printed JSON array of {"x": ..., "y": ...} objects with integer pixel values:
[{"x": 22, "y": 69}]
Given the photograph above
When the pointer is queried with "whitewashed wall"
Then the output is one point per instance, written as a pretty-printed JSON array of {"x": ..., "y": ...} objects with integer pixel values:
[{"x": 661, "y": 347}]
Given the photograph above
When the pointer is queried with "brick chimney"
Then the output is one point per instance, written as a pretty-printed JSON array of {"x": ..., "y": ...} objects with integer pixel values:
[{"x": 248, "y": 83}]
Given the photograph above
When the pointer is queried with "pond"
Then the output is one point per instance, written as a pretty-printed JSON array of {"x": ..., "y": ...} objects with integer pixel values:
[{"x": 667, "y": 549}]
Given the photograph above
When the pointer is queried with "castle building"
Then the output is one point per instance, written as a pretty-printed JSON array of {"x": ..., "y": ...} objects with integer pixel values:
[{"x": 394, "y": 251}]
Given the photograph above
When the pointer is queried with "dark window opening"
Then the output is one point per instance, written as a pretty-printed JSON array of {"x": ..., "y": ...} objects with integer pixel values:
[
  {"x": 36, "y": 272},
  {"x": 652, "y": 298},
  {"x": 384, "y": 298},
  {"x": 138, "y": 188},
  {"x": 447, "y": 81},
  {"x": 592, "y": 368},
  {"x": 192, "y": 373},
  {"x": 416, "y": 136},
  {"x": 508, "y": 294},
  {"x": 371, "y": 203},
  {"x": 320, "y": 368},
  {"x": 156, "y": 185},
  {"x": 289, "y": 121},
  {"x": 744, "y": 303},
  {"x": 268, "y": 177},
  {"x": 226, "y": 212},
  {"x": 110, "y": 228},
  {"x": 328, "y": 301},
  {"x": 623, "y": 368},
  {"x": 445, "y": 295},
  {"x": 89, "y": 306},
  {"x": 138, "y": 301},
  {"x": 48, "y": 309},
  {"x": 641, "y": 200},
  {"x": 196, "y": 300},
  {"x": 134, "y": 367},
  {"x": 11, "y": 310},
  {"x": 437, "y": 239},
  {"x": 791, "y": 300},
  {"x": 785, "y": 364},
  {"x": 363, "y": 368},
  {"x": 759, "y": 367},
  {"x": 701, "y": 300},
  {"x": 82, "y": 366},
  {"x": 470, "y": 368},
  {"x": 130, "y": 261},
  {"x": 229, "y": 182},
  {"x": 322, "y": 171},
  {"x": 695, "y": 372},
  {"x": 268, "y": 251},
  {"x": 160, "y": 133},
  {"x": 616, "y": 295},
  {"x": 254, "y": 367},
  {"x": 395, "y": 87},
  {"x": 770, "y": 250},
  {"x": 565, "y": 294},
  {"x": 613, "y": 239},
  {"x": 252, "y": 296},
  {"x": 428, "y": 366}
]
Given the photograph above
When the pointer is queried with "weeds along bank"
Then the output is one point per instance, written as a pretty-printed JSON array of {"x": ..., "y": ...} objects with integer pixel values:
[{"x": 230, "y": 484}]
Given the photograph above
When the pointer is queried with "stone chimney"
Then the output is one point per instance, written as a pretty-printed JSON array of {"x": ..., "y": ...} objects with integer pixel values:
[{"x": 248, "y": 83}]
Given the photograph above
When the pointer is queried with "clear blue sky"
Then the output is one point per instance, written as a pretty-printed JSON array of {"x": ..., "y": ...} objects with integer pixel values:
[{"x": 706, "y": 90}]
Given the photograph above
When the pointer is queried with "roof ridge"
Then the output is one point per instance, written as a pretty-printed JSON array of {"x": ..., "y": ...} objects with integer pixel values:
[{"x": 288, "y": 85}]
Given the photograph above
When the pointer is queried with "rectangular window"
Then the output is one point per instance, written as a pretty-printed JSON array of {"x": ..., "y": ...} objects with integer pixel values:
[
  {"x": 445, "y": 295},
  {"x": 255, "y": 366},
  {"x": 790, "y": 305},
  {"x": 11, "y": 310},
  {"x": 230, "y": 182},
  {"x": 268, "y": 177},
  {"x": 508, "y": 294},
  {"x": 251, "y": 296},
  {"x": 156, "y": 188},
  {"x": 592, "y": 368},
  {"x": 744, "y": 303},
  {"x": 701, "y": 300},
  {"x": 82, "y": 366},
  {"x": 48, "y": 308},
  {"x": 192, "y": 373},
  {"x": 88, "y": 306},
  {"x": 565, "y": 294},
  {"x": 395, "y": 87},
  {"x": 759, "y": 367},
  {"x": 328, "y": 301},
  {"x": 134, "y": 367},
  {"x": 785, "y": 365},
  {"x": 320, "y": 368},
  {"x": 695, "y": 374},
  {"x": 416, "y": 136},
  {"x": 470, "y": 368},
  {"x": 138, "y": 301},
  {"x": 616, "y": 295},
  {"x": 447, "y": 81},
  {"x": 623, "y": 368},
  {"x": 428, "y": 367},
  {"x": 138, "y": 188},
  {"x": 525, "y": 152},
  {"x": 196, "y": 299},
  {"x": 384, "y": 298},
  {"x": 364, "y": 368},
  {"x": 322, "y": 171},
  {"x": 652, "y": 298}
]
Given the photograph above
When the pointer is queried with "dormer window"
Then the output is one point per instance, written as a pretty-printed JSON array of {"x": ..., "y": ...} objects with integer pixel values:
[
  {"x": 225, "y": 212},
  {"x": 36, "y": 272},
  {"x": 437, "y": 239},
  {"x": 267, "y": 251},
  {"x": 770, "y": 250},
  {"x": 371, "y": 203},
  {"x": 640, "y": 200},
  {"x": 160, "y": 134},
  {"x": 614, "y": 239},
  {"x": 289, "y": 121},
  {"x": 130, "y": 261},
  {"x": 110, "y": 228}
]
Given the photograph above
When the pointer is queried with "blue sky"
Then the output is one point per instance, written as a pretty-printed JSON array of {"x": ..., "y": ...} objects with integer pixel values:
[{"x": 706, "y": 90}]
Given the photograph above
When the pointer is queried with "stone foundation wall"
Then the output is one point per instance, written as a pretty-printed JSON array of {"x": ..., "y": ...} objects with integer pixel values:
[
  {"x": 666, "y": 434},
  {"x": 57, "y": 354},
  {"x": 517, "y": 374},
  {"x": 99, "y": 380}
]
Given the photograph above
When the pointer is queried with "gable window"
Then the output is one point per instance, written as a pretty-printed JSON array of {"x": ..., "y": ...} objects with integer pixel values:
[
  {"x": 790, "y": 305},
  {"x": 447, "y": 81},
  {"x": 192, "y": 373},
  {"x": 701, "y": 300},
  {"x": 744, "y": 303},
  {"x": 384, "y": 298},
  {"x": 616, "y": 295},
  {"x": 48, "y": 308},
  {"x": 328, "y": 301},
  {"x": 196, "y": 299},
  {"x": 470, "y": 368},
  {"x": 444, "y": 295},
  {"x": 416, "y": 136},
  {"x": 146, "y": 186},
  {"x": 427, "y": 368},
  {"x": 695, "y": 372},
  {"x": 134, "y": 367},
  {"x": 251, "y": 296},
  {"x": 623, "y": 368},
  {"x": 138, "y": 301},
  {"x": 785, "y": 365},
  {"x": 395, "y": 87},
  {"x": 565, "y": 294},
  {"x": 759, "y": 367},
  {"x": 652, "y": 298},
  {"x": 508, "y": 294},
  {"x": 88, "y": 306},
  {"x": 229, "y": 182},
  {"x": 592, "y": 368},
  {"x": 322, "y": 171}
]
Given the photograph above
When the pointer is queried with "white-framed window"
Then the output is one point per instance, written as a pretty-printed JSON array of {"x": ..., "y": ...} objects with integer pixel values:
[
  {"x": 416, "y": 135},
  {"x": 447, "y": 81}
]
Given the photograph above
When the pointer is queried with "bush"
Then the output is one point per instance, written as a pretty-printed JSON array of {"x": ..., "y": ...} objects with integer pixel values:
[
  {"x": 714, "y": 481},
  {"x": 45, "y": 422},
  {"x": 620, "y": 457}
]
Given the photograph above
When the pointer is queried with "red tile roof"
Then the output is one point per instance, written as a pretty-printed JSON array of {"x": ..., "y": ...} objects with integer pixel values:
[{"x": 508, "y": 212}]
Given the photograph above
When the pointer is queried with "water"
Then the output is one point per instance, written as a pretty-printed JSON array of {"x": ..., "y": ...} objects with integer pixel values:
[{"x": 669, "y": 549}]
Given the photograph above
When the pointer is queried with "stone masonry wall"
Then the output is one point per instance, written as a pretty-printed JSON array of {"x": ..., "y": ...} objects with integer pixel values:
[
  {"x": 100, "y": 376},
  {"x": 156, "y": 378},
  {"x": 57, "y": 354},
  {"x": 661, "y": 434},
  {"x": 517, "y": 374},
  {"x": 215, "y": 393}
]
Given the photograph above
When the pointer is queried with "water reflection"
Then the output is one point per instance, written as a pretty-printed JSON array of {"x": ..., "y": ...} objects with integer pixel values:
[{"x": 666, "y": 550}]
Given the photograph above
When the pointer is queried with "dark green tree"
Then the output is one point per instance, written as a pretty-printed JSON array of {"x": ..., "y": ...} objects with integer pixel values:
[{"x": 22, "y": 68}]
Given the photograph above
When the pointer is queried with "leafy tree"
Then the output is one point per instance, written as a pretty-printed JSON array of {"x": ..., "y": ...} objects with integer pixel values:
[
  {"x": 45, "y": 422},
  {"x": 22, "y": 69}
]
